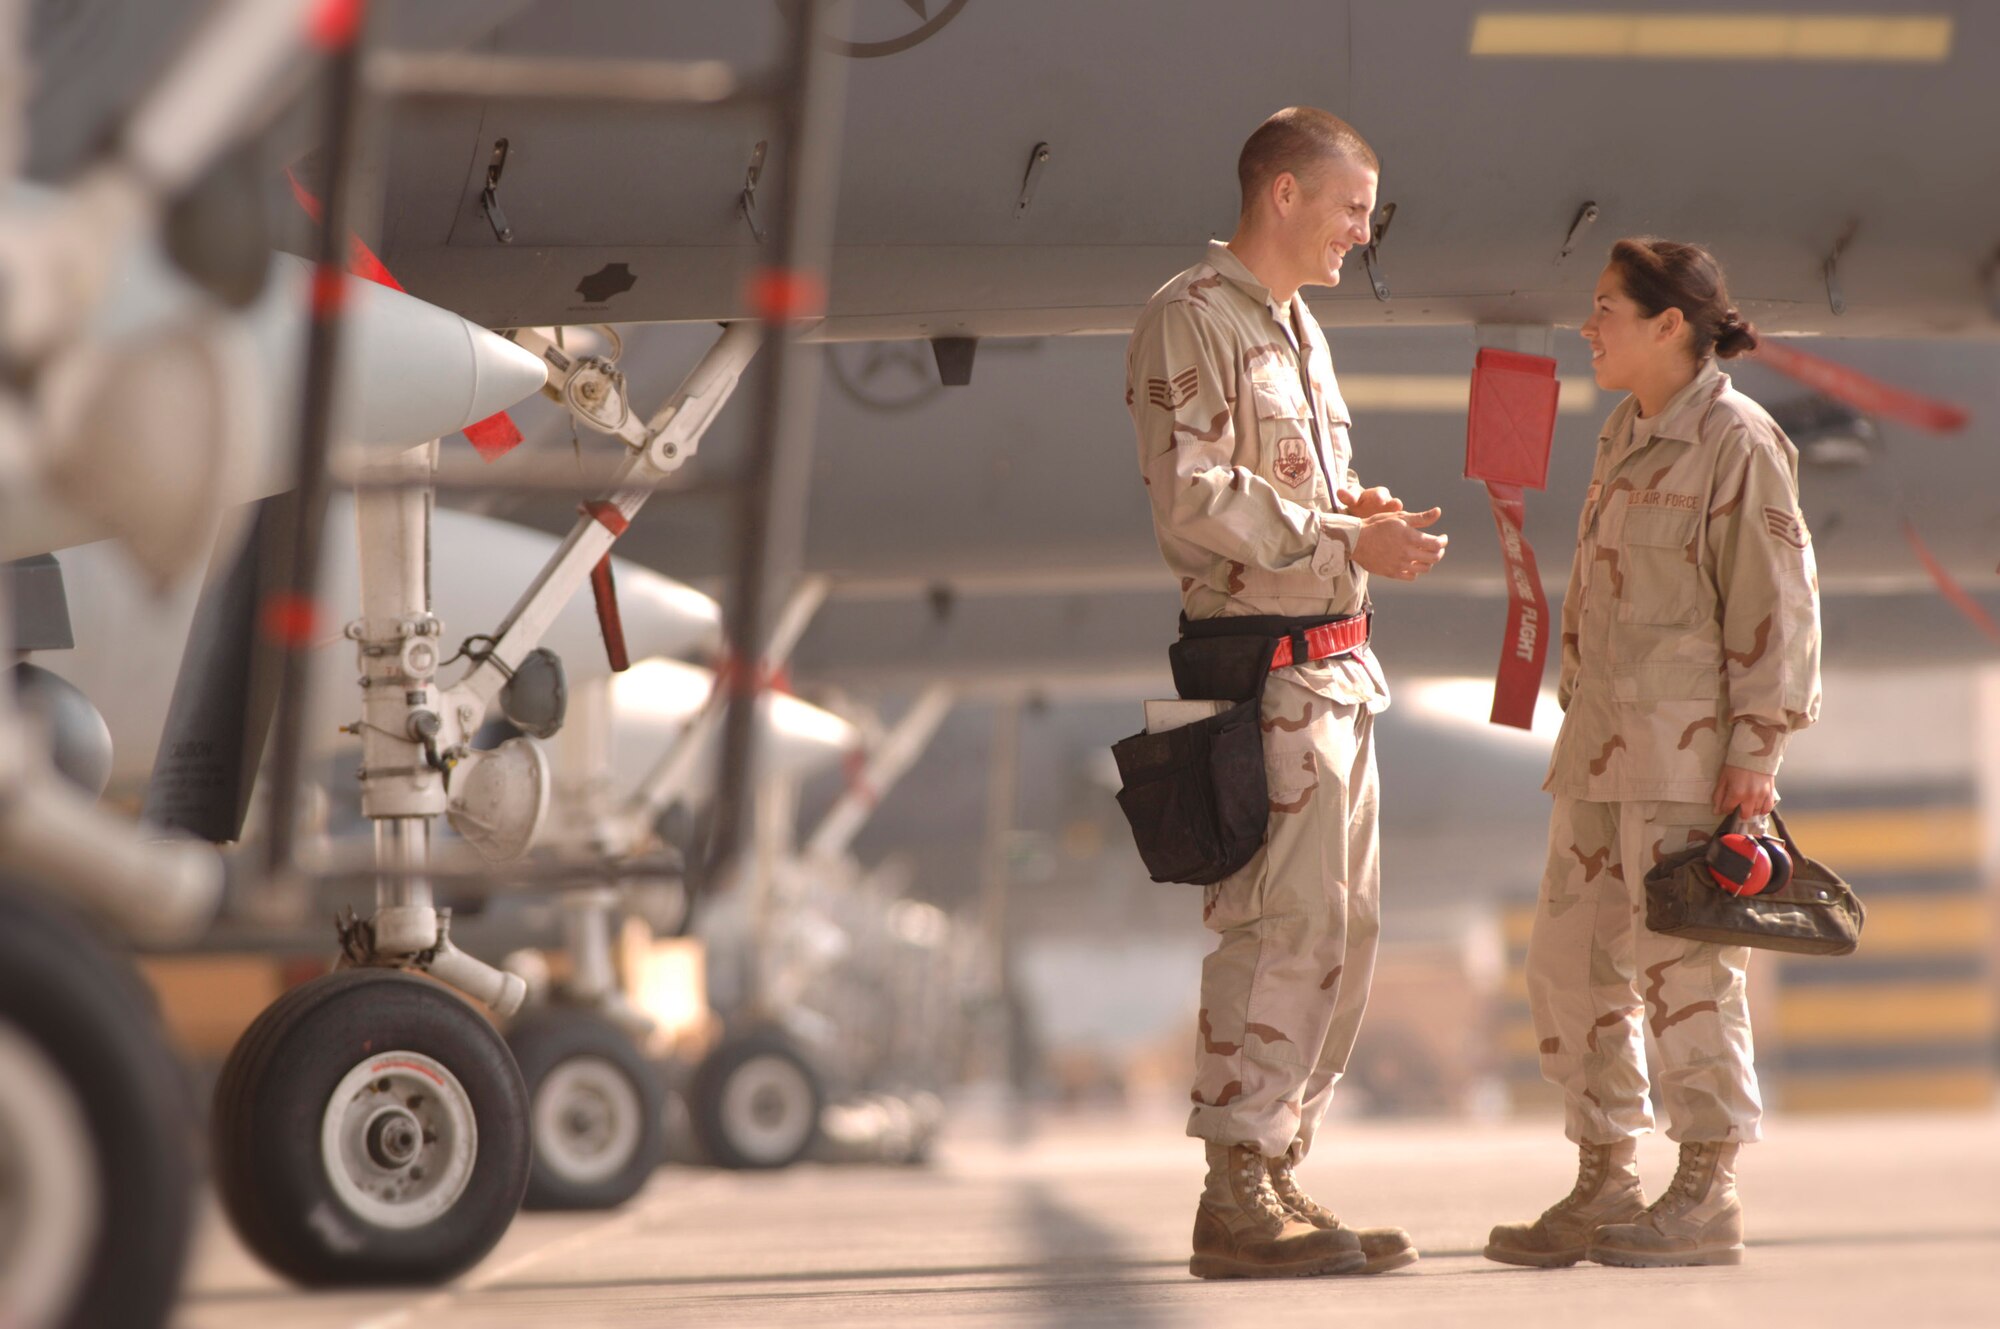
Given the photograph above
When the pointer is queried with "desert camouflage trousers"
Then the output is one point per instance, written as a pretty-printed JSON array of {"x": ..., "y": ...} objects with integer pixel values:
[
  {"x": 1283, "y": 992},
  {"x": 1602, "y": 985}
]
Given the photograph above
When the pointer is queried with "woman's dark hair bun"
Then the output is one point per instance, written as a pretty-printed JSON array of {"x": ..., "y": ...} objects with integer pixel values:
[
  {"x": 1733, "y": 336},
  {"x": 1665, "y": 274}
]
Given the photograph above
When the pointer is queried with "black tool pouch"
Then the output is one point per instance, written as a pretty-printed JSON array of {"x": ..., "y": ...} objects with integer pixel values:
[
  {"x": 1221, "y": 668},
  {"x": 1195, "y": 795},
  {"x": 1228, "y": 659}
]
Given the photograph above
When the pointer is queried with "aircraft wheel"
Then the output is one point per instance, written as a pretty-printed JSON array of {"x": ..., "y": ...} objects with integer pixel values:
[
  {"x": 370, "y": 1127},
  {"x": 595, "y": 1109},
  {"x": 97, "y": 1138},
  {"x": 756, "y": 1102}
]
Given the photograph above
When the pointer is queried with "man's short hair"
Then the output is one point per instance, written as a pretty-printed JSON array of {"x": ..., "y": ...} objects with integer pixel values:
[{"x": 1297, "y": 139}]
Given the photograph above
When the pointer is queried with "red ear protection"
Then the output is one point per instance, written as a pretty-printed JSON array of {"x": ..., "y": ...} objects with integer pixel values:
[{"x": 1749, "y": 864}]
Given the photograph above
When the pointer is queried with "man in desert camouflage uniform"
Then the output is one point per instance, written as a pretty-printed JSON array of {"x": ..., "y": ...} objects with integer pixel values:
[
  {"x": 1690, "y": 643},
  {"x": 1243, "y": 445}
]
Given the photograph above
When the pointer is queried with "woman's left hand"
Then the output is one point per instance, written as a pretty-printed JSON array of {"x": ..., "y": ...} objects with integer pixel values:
[{"x": 1750, "y": 793}]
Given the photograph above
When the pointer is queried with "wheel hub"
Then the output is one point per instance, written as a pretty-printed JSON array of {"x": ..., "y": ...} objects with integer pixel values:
[
  {"x": 588, "y": 1122},
  {"x": 399, "y": 1139},
  {"x": 767, "y": 1108},
  {"x": 394, "y": 1138},
  {"x": 587, "y": 1119}
]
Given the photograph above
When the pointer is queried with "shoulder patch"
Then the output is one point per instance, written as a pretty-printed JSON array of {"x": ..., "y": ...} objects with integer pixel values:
[{"x": 1293, "y": 464}]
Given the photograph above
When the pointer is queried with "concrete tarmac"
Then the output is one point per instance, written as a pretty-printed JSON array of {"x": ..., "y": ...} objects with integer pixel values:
[{"x": 1084, "y": 1220}]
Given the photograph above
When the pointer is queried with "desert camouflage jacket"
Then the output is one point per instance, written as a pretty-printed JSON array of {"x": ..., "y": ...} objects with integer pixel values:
[
  {"x": 1690, "y": 630},
  {"x": 1241, "y": 482}
]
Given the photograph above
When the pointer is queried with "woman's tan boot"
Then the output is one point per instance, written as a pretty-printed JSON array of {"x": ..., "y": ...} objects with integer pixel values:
[
  {"x": 1698, "y": 1221},
  {"x": 1607, "y": 1191},
  {"x": 1242, "y": 1230}
]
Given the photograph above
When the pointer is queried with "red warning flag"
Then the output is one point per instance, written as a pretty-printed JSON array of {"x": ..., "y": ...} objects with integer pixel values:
[
  {"x": 1873, "y": 397},
  {"x": 1948, "y": 586},
  {"x": 361, "y": 260},
  {"x": 496, "y": 435},
  {"x": 1509, "y": 427},
  {"x": 604, "y": 591},
  {"x": 1868, "y": 395}
]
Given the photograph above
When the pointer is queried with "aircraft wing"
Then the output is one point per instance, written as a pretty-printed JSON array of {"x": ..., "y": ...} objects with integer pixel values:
[{"x": 947, "y": 225}]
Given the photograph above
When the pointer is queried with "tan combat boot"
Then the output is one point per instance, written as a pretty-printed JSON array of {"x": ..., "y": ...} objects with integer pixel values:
[
  {"x": 1607, "y": 1191},
  {"x": 1698, "y": 1220},
  {"x": 1241, "y": 1230},
  {"x": 1384, "y": 1248}
]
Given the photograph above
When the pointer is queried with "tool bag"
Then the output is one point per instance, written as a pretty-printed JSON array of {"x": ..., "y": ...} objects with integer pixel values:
[
  {"x": 1815, "y": 913},
  {"x": 1195, "y": 795}
]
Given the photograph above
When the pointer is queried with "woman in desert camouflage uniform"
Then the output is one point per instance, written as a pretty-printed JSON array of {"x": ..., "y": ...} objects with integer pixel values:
[{"x": 1690, "y": 651}]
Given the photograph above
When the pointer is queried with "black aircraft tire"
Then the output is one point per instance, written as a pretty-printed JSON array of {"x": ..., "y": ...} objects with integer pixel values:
[
  {"x": 597, "y": 1143},
  {"x": 755, "y": 1102},
  {"x": 349, "y": 1064},
  {"x": 86, "y": 1011}
]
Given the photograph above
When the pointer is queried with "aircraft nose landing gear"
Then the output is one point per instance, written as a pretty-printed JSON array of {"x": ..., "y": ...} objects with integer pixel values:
[{"x": 421, "y": 1152}]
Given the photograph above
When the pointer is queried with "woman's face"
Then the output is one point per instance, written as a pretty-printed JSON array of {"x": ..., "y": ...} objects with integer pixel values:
[{"x": 1626, "y": 347}]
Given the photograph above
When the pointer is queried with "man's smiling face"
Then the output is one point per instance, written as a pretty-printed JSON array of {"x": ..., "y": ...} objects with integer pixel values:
[{"x": 1329, "y": 216}]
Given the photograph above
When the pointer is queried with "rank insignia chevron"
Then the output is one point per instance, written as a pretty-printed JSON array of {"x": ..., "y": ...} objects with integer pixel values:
[{"x": 1171, "y": 396}]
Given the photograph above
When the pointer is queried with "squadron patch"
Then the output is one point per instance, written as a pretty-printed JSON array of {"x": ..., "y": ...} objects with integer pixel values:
[
  {"x": 1293, "y": 464},
  {"x": 1172, "y": 394},
  {"x": 1785, "y": 526}
]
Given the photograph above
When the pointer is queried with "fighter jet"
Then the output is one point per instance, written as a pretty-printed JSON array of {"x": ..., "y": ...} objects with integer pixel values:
[{"x": 975, "y": 209}]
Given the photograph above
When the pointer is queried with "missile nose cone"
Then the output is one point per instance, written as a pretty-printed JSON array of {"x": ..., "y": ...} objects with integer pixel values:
[
  {"x": 502, "y": 373},
  {"x": 415, "y": 371},
  {"x": 409, "y": 370}
]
